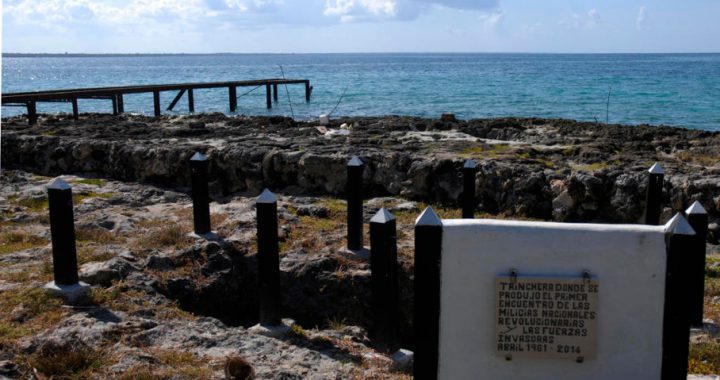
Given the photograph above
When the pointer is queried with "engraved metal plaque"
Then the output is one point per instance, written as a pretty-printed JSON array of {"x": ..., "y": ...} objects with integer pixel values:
[{"x": 546, "y": 317}]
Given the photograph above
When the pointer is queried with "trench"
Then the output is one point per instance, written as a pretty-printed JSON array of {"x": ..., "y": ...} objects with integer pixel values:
[{"x": 315, "y": 290}]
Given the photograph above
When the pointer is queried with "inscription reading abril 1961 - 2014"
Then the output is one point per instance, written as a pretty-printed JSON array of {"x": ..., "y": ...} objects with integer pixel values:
[{"x": 547, "y": 317}]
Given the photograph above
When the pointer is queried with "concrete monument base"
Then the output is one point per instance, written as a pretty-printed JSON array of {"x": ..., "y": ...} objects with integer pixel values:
[
  {"x": 210, "y": 236},
  {"x": 69, "y": 292}
]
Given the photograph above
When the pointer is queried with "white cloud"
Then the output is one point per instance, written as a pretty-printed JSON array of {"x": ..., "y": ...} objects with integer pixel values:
[
  {"x": 588, "y": 20},
  {"x": 641, "y": 19},
  {"x": 492, "y": 20},
  {"x": 464, "y": 4}
]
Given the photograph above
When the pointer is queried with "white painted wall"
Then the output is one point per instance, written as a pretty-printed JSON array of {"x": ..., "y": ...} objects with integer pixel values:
[{"x": 628, "y": 260}]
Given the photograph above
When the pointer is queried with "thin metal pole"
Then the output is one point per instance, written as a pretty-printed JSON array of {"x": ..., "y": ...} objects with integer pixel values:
[
  {"x": 680, "y": 240},
  {"x": 355, "y": 168},
  {"x": 654, "y": 195},
  {"x": 697, "y": 217},
  {"x": 200, "y": 197},
  {"x": 62, "y": 231},
  {"x": 383, "y": 268},
  {"x": 268, "y": 258},
  {"x": 469, "y": 171},
  {"x": 426, "y": 318}
]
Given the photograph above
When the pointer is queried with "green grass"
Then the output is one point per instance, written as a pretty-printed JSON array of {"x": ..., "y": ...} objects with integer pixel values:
[
  {"x": 590, "y": 167},
  {"x": 31, "y": 204},
  {"x": 14, "y": 241},
  {"x": 78, "y": 198},
  {"x": 91, "y": 181},
  {"x": 480, "y": 151},
  {"x": 704, "y": 358}
]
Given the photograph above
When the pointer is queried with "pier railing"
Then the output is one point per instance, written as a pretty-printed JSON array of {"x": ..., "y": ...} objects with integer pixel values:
[{"x": 115, "y": 94}]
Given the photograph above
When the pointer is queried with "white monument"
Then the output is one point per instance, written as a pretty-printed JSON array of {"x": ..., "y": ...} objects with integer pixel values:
[{"x": 547, "y": 301}]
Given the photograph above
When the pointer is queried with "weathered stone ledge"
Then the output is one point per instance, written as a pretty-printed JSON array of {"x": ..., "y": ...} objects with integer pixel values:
[{"x": 547, "y": 169}]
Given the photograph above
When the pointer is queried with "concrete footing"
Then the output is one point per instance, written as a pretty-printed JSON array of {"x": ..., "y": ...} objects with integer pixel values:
[{"x": 70, "y": 292}]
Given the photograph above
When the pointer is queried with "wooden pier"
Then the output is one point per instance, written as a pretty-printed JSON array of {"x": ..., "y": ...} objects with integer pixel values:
[{"x": 115, "y": 95}]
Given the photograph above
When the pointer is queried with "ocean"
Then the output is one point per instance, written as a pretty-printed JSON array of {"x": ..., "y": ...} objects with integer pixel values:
[{"x": 671, "y": 89}]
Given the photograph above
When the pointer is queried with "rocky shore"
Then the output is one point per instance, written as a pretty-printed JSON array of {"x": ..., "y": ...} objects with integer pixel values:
[
  {"x": 164, "y": 305},
  {"x": 539, "y": 168}
]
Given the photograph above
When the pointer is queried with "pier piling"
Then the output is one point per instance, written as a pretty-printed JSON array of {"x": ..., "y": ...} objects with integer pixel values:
[
  {"x": 114, "y": 101},
  {"x": 275, "y": 94},
  {"x": 232, "y": 91},
  {"x": 156, "y": 102},
  {"x": 268, "y": 99},
  {"x": 75, "y": 112},
  {"x": 191, "y": 100},
  {"x": 32, "y": 112},
  {"x": 120, "y": 103}
]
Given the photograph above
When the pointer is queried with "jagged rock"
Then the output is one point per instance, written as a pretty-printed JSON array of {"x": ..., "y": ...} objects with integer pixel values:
[
  {"x": 103, "y": 273},
  {"x": 317, "y": 211}
]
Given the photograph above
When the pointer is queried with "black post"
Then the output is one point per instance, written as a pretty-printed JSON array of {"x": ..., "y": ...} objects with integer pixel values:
[
  {"x": 62, "y": 231},
  {"x": 697, "y": 217},
  {"x": 275, "y": 94},
  {"x": 383, "y": 268},
  {"x": 113, "y": 99},
  {"x": 191, "y": 100},
  {"x": 268, "y": 96},
  {"x": 426, "y": 319},
  {"x": 120, "y": 103},
  {"x": 680, "y": 239},
  {"x": 308, "y": 90},
  {"x": 76, "y": 115},
  {"x": 200, "y": 197},
  {"x": 268, "y": 260},
  {"x": 156, "y": 102},
  {"x": 232, "y": 93},
  {"x": 32, "y": 112},
  {"x": 469, "y": 171},
  {"x": 354, "y": 195},
  {"x": 654, "y": 195}
]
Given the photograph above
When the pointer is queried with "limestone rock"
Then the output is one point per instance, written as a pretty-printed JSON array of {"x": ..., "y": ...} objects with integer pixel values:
[{"x": 103, "y": 273}]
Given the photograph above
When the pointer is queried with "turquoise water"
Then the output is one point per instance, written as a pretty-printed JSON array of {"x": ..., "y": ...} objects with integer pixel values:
[{"x": 672, "y": 89}]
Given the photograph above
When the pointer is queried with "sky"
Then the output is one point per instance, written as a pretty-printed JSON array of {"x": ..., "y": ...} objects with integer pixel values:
[{"x": 334, "y": 26}]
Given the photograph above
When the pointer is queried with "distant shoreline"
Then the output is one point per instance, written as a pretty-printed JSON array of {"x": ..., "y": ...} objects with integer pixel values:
[{"x": 98, "y": 55}]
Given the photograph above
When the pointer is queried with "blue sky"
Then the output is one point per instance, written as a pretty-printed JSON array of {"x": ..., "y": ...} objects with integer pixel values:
[{"x": 300, "y": 26}]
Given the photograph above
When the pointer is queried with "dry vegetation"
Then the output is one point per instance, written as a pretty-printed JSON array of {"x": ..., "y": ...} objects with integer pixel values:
[{"x": 26, "y": 310}]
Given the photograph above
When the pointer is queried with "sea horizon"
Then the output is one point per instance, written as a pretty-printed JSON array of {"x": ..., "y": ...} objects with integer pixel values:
[{"x": 76, "y": 54}]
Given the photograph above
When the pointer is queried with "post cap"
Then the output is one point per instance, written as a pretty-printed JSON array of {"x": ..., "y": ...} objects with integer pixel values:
[
  {"x": 355, "y": 161},
  {"x": 656, "y": 169},
  {"x": 266, "y": 197},
  {"x": 678, "y": 225},
  {"x": 382, "y": 216},
  {"x": 58, "y": 184},
  {"x": 696, "y": 209},
  {"x": 470, "y": 164},
  {"x": 428, "y": 218},
  {"x": 198, "y": 157}
]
